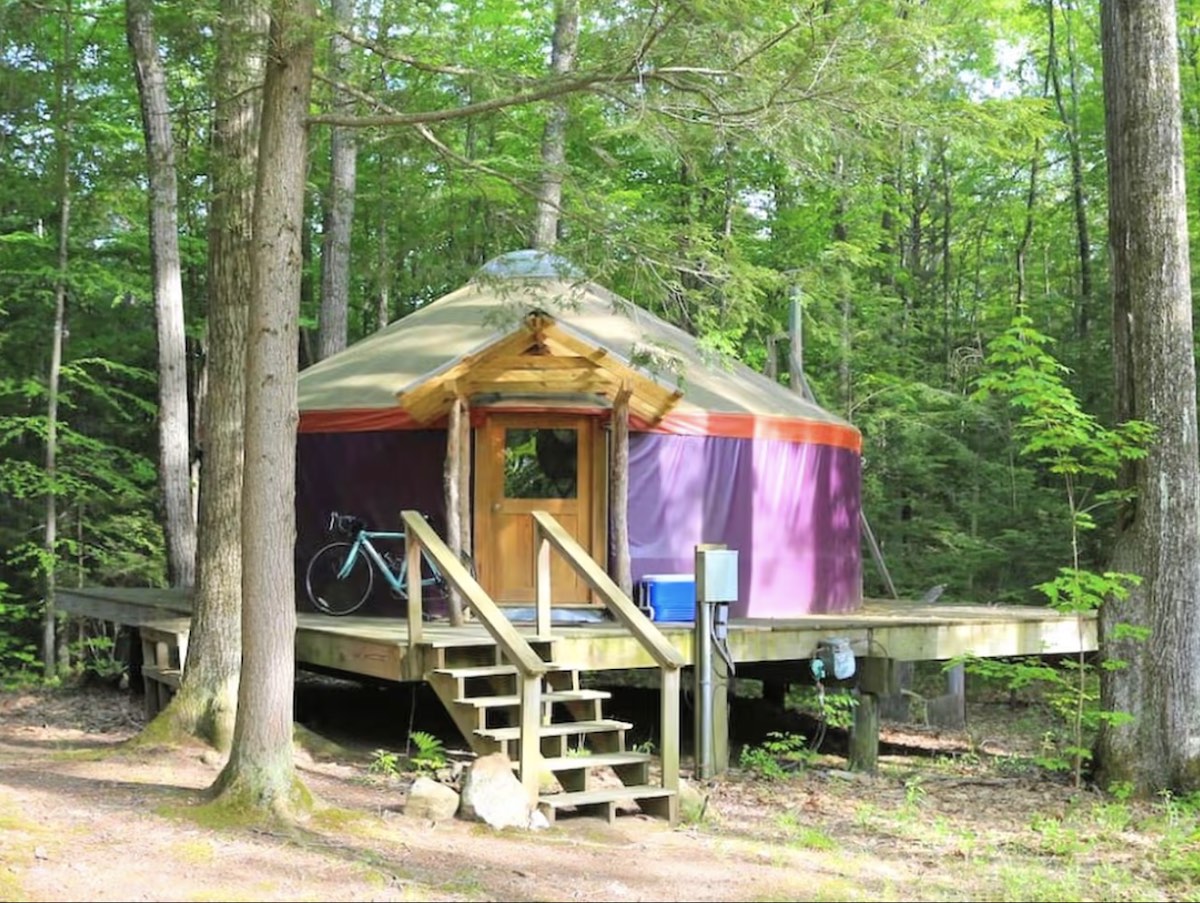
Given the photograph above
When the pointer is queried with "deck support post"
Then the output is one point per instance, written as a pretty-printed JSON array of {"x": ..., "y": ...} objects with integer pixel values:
[
  {"x": 876, "y": 677},
  {"x": 864, "y": 735}
]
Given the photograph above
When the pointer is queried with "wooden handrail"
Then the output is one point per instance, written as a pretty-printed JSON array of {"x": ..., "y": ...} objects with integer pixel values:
[
  {"x": 643, "y": 629},
  {"x": 549, "y": 532},
  {"x": 418, "y": 532}
]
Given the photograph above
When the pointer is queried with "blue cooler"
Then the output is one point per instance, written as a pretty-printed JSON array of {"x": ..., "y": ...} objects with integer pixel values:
[{"x": 668, "y": 597}]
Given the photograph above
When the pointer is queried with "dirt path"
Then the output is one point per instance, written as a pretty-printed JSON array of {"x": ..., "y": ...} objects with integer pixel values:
[{"x": 81, "y": 820}]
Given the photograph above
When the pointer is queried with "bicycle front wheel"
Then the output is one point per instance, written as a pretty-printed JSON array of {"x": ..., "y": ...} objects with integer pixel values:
[{"x": 328, "y": 590}]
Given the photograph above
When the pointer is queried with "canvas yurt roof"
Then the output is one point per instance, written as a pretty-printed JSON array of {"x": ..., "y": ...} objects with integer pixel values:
[{"x": 528, "y": 325}]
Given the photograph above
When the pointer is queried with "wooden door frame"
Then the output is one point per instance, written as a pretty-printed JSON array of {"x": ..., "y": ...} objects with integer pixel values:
[{"x": 495, "y": 421}]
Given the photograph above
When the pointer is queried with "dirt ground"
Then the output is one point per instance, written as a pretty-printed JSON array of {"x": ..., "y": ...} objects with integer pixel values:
[{"x": 81, "y": 819}]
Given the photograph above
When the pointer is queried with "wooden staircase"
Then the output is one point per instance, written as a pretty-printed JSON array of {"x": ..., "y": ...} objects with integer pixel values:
[
  {"x": 509, "y": 694},
  {"x": 575, "y": 740}
]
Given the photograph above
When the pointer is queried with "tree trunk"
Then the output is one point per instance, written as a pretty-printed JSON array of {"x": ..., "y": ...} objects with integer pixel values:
[
  {"x": 339, "y": 215},
  {"x": 206, "y": 703},
  {"x": 619, "y": 481},
  {"x": 173, "y": 449},
  {"x": 1158, "y": 538},
  {"x": 52, "y": 656},
  {"x": 261, "y": 769},
  {"x": 454, "y": 490},
  {"x": 554, "y": 136}
]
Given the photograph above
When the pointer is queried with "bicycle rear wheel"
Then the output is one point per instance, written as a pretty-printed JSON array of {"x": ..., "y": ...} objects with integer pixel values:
[{"x": 331, "y": 593}]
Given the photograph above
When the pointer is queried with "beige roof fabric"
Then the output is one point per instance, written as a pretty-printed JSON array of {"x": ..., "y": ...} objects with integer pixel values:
[{"x": 371, "y": 373}]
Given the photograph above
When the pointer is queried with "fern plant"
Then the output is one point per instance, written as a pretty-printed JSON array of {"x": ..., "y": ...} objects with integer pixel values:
[{"x": 430, "y": 753}]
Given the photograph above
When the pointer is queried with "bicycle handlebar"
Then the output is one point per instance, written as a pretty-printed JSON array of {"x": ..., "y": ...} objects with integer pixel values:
[
  {"x": 345, "y": 523},
  {"x": 351, "y": 524}
]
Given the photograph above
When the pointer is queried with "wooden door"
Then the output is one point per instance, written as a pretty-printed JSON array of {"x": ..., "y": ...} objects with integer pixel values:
[{"x": 536, "y": 462}]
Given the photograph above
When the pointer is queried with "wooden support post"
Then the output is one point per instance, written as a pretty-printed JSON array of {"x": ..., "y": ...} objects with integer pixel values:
[
  {"x": 720, "y": 713},
  {"x": 619, "y": 483},
  {"x": 668, "y": 734},
  {"x": 452, "y": 478},
  {"x": 864, "y": 735},
  {"x": 541, "y": 585},
  {"x": 529, "y": 754},
  {"x": 412, "y": 555}
]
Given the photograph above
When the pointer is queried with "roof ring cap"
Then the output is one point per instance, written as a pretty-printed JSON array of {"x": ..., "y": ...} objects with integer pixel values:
[{"x": 529, "y": 264}]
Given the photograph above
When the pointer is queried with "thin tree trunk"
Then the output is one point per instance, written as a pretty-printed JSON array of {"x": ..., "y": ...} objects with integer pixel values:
[
  {"x": 454, "y": 490},
  {"x": 206, "y": 703},
  {"x": 173, "y": 448},
  {"x": 339, "y": 215},
  {"x": 1158, "y": 537},
  {"x": 1070, "y": 119},
  {"x": 261, "y": 770},
  {"x": 549, "y": 190},
  {"x": 53, "y": 656},
  {"x": 619, "y": 480}
]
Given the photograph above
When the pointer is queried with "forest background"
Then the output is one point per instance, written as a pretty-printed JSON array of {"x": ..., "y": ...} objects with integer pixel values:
[{"x": 914, "y": 174}]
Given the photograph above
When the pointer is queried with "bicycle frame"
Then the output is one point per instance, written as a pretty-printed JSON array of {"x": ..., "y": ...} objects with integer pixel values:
[{"x": 397, "y": 581}]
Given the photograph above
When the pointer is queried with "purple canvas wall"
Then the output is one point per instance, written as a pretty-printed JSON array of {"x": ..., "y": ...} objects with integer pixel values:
[
  {"x": 790, "y": 510},
  {"x": 373, "y": 475}
]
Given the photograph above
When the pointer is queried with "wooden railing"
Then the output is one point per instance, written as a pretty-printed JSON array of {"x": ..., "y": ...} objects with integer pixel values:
[
  {"x": 549, "y": 533},
  {"x": 530, "y": 666}
]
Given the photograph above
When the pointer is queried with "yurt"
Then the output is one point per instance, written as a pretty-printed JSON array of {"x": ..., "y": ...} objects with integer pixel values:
[{"x": 509, "y": 388}]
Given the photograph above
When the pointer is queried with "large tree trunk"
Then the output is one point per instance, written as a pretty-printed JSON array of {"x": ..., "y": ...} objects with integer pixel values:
[
  {"x": 173, "y": 448},
  {"x": 261, "y": 768},
  {"x": 339, "y": 215},
  {"x": 1159, "y": 536},
  {"x": 206, "y": 703},
  {"x": 549, "y": 191},
  {"x": 54, "y": 657}
]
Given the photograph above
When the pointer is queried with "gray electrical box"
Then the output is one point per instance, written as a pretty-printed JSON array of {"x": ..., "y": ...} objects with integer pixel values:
[{"x": 718, "y": 577}]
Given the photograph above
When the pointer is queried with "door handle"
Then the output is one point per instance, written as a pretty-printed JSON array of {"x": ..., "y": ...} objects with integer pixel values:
[{"x": 495, "y": 507}]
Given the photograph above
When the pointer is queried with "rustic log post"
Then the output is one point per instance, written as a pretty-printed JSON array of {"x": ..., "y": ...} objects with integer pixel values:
[
  {"x": 464, "y": 482},
  {"x": 619, "y": 481},
  {"x": 452, "y": 476}
]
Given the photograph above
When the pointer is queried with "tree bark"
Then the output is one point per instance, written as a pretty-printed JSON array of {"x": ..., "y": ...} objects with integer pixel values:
[
  {"x": 1158, "y": 537},
  {"x": 619, "y": 480},
  {"x": 554, "y": 136},
  {"x": 339, "y": 215},
  {"x": 174, "y": 453},
  {"x": 454, "y": 491},
  {"x": 206, "y": 703},
  {"x": 261, "y": 769}
]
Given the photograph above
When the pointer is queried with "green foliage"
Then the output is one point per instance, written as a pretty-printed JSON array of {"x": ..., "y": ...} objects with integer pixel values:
[
  {"x": 430, "y": 753},
  {"x": 834, "y": 707},
  {"x": 777, "y": 756},
  {"x": 1085, "y": 455},
  {"x": 384, "y": 762}
]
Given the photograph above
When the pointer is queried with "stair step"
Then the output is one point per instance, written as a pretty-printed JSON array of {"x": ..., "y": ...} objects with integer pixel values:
[
  {"x": 604, "y": 795},
  {"x": 489, "y": 702},
  {"x": 593, "y": 760},
  {"x": 494, "y": 670},
  {"x": 559, "y": 729}
]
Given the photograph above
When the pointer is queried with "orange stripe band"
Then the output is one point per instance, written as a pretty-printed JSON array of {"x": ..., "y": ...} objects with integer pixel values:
[{"x": 702, "y": 423}]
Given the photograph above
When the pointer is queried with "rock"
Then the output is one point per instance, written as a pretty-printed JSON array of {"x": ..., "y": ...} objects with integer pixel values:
[
  {"x": 429, "y": 799},
  {"x": 493, "y": 794}
]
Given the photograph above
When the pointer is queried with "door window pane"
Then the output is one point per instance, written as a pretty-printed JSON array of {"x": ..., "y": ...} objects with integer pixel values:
[{"x": 540, "y": 463}]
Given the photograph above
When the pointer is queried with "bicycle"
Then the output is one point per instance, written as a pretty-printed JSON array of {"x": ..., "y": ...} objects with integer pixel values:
[{"x": 341, "y": 575}]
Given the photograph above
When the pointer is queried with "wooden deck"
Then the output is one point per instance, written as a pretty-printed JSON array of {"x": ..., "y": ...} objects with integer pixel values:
[{"x": 379, "y": 647}]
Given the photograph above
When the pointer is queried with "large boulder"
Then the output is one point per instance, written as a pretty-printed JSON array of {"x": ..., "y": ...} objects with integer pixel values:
[
  {"x": 430, "y": 800},
  {"x": 492, "y": 793}
]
